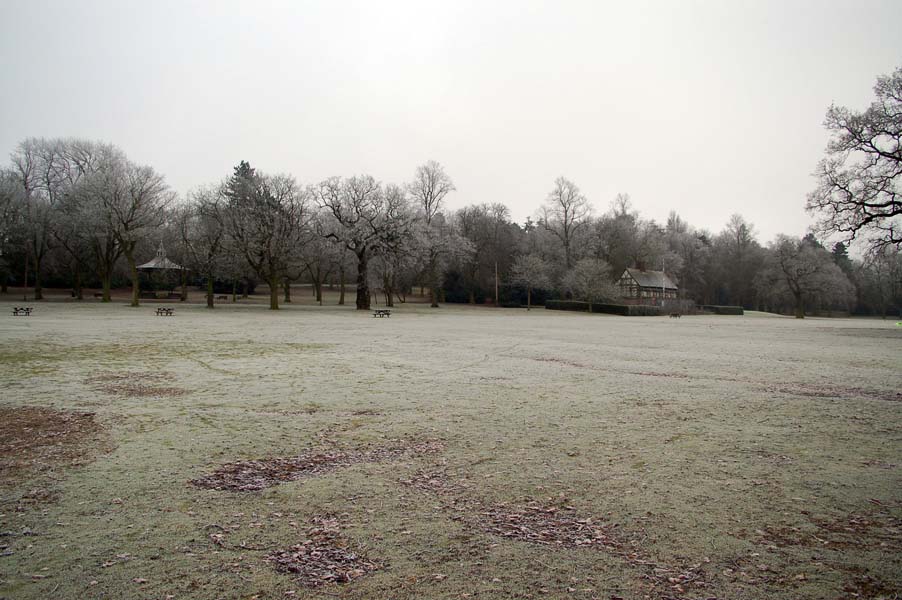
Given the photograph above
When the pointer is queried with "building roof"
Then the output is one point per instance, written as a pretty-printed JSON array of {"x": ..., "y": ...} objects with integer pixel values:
[{"x": 652, "y": 279}]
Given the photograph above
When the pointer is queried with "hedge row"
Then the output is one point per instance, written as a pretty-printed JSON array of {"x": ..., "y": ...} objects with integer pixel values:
[
  {"x": 723, "y": 310},
  {"x": 611, "y": 309}
]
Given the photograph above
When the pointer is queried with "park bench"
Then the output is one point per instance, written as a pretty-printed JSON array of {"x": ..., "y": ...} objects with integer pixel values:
[
  {"x": 222, "y": 297},
  {"x": 23, "y": 311},
  {"x": 674, "y": 315},
  {"x": 382, "y": 312},
  {"x": 165, "y": 312}
]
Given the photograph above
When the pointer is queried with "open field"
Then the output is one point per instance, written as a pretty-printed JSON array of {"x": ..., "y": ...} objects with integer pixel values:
[{"x": 460, "y": 452}]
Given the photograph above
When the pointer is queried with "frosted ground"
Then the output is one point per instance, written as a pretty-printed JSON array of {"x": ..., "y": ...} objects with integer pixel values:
[{"x": 702, "y": 457}]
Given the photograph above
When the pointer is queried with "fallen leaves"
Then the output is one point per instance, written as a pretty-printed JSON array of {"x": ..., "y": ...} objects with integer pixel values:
[
  {"x": 134, "y": 384},
  {"x": 553, "y": 523},
  {"x": 324, "y": 557},
  {"x": 34, "y": 440},
  {"x": 254, "y": 475}
]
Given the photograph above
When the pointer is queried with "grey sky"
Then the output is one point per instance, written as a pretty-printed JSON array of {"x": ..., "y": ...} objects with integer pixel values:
[{"x": 707, "y": 108}]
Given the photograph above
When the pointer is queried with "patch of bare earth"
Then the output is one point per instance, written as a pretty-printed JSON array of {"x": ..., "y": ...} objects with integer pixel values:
[
  {"x": 554, "y": 523},
  {"x": 877, "y": 530},
  {"x": 35, "y": 440},
  {"x": 324, "y": 557},
  {"x": 254, "y": 475},
  {"x": 841, "y": 392},
  {"x": 135, "y": 384}
]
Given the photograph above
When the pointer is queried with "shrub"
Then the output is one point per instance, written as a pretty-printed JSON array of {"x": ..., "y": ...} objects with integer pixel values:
[
  {"x": 723, "y": 310},
  {"x": 623, "y": 310}
]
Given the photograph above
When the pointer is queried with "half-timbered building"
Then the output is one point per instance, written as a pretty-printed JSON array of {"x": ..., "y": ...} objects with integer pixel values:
[{"x": 646, "y": 287}]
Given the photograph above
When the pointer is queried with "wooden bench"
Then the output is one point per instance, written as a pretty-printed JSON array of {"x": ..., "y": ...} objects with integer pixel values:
[
  {"x": 674, "y": 315},
  {"x": 222, "y": 297},
  {"x": 165, "y": 312},
  {"x": 22, "y": 311},
  {"x": 382, "y": 312}
]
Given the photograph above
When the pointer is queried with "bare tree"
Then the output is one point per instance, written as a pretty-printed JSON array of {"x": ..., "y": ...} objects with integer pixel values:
[
  {"x": 12, "y": 203},
  {"x": 369, "y": 221},
  {"x": 805, "y": 272},
  {"x": 202, "y": 230},
  {"x": 134, "y": 200},
  {"x": 532, "y": 272},
  {"x": 860, "y": 179},
  {"x": 265, "y": 216},
  {"x": 428, "y": 190},
  {"x": 566, "y": 211}
]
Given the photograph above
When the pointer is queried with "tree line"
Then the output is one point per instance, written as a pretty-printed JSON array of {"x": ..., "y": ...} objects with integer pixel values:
[{"x": 80, "y": 213}]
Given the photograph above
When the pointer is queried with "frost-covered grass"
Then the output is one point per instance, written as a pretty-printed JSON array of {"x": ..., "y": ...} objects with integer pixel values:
[{"x": 760, "y": 452}]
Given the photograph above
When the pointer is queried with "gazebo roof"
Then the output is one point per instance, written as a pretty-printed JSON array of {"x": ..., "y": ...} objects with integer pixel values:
[{"x": 159, "y": 262}]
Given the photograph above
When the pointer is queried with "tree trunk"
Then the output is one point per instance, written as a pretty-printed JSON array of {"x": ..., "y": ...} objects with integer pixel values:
[
  {"x": 528, "y": 298},
  {"x": 471, "y": 298},
  {"x": 318, "y": 291},
  {"x": 244, "y": 289},
  {"x": 496, "y": 283},
  {"x": 25, "y": 286},
  {"x": 3, "y": 284},
  {"x": 79, "y": 295},
  {"x": 106, "y": 283},
  {"x": 209, "y": 291},
  {"x": 133, "y": 269},
  {"x": 273, "y": 294},
  {"x": 286, "y": 285},
  {"x": 363, "y": 290},
  {"x": 433, "y": 283},
  {"x": 234, "y": 291},
  {"x": 38, "y": 288},
  {"x": 341, "y": 286},
  {"x": 800, "y": 307},
  {"x": 184, "y": 280}
]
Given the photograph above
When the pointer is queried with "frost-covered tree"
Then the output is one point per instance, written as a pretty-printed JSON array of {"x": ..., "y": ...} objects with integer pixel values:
[
  {"x": 590, "y": 280},
  {"x": 265, "y": 217},
  {"x": 804, "y": 273},
  {"x": 202, "y": 229},
  {"x": 370, "y": 219},
  {"x": 427, "y": 191},
  {"x": 565, "y": 213},
  {"x": 532, "y": 272}
]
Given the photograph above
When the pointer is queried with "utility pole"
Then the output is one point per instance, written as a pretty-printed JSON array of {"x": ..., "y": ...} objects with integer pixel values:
[
  {"x": 663, "y": 268},
  {"x": 496, "y": 284}
]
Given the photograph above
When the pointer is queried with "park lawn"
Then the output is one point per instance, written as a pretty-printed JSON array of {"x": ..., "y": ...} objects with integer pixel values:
[{"x": 482, "y": 453}]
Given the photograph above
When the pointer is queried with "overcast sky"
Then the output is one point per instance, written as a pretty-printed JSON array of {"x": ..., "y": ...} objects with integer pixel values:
[{"x": 706, "y": 108}]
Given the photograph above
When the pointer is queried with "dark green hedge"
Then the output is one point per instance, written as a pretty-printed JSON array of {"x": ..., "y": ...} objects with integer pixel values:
[
  {"x": 723, "y": 310},
  {"x": 610, "y": 309}
]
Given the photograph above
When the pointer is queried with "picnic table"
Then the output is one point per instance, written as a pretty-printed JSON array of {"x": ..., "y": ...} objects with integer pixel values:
[
  {"x": 23, "y": 311},
  {"x": 382, "y": 312},
  {"x": 165, "y": 312}
]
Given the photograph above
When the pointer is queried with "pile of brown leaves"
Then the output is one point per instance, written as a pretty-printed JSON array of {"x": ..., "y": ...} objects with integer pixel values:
[
  {"x": 876, "y": 530},
  {"x": 324, "y": 557},
  {"x": 543, "y": 523},
  {"x": 554, "y": 523},
  {"x": 135, "y": 384},
  {"x": 34, "y": 440},
  {"x": 254, "y": 475}
]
